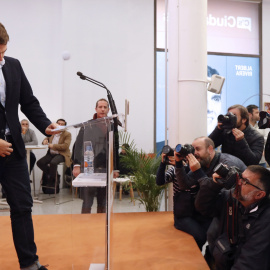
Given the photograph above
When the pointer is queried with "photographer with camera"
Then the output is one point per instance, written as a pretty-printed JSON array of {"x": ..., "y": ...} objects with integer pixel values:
[
  {"x": 202, "y": 159},
  {"x": 237, "y": 137},
  {"x": 243, "y": 213}
]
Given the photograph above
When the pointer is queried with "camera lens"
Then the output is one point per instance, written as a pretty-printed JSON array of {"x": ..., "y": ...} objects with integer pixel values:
[
  {"x": 178, "y": 148},
  {"x": 221, "y": 118},
  {"x": 166, "y": 149}
]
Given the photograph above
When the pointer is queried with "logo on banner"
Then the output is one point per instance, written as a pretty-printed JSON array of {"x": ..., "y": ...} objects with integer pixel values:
[
  {"x": 230, "y": 21},
  {"x": 243, "y": 70}
]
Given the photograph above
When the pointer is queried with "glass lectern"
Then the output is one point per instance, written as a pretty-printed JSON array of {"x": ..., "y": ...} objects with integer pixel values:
[{"x": 93, "y": 154}]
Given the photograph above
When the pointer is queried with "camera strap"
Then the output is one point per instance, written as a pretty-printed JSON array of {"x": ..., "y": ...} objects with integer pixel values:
[{"x": 232, "y": 214}]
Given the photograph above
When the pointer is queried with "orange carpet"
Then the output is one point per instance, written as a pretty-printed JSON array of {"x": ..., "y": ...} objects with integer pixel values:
[{"x": 140, "y": 241}]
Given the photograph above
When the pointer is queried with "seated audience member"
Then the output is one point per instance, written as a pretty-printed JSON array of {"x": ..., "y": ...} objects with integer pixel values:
[
  {"x": 185, "y": 184},
  {"x": 244, "y": 141},
  {"x": 58, "y": 151},
  {"x": 242, "y": 235},
  {"x": 29, "y": 138},
  {"x": 254, "y": 117}
]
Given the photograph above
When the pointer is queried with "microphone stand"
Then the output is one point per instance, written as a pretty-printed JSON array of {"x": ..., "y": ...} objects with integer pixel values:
[{"x": 114, "y": 111}]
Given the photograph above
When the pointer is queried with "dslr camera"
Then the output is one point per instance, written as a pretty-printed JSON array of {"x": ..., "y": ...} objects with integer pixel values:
[
  {"x": 184, "y": 150},
  {"x": 264, "y": 120},
  {"x": 169, "y": 152},
  {"x": 228, "y": 175},
  {"x": 228, "y": 120}
]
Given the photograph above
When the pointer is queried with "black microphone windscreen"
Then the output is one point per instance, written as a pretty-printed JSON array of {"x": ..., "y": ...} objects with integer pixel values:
[{"x": 79, "y": 73}]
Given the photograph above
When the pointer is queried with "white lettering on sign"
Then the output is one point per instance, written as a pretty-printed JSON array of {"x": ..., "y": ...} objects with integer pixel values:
[
  {"x": 243, "y": 70},
  {"x": 229, "y": 21}
]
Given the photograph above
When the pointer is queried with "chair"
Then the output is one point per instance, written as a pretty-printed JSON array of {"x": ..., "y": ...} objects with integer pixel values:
[
  {"x": 121, "y": 181},
  {"x": 56, "y": 185}
]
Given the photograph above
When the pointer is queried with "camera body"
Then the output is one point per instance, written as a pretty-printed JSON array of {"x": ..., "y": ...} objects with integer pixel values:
[
  {"x": 169, "y": 152},
  {"x": 228, "y": 175},
  {"x": 184, "y": 150},
  {"x": 264, "y": 120},
  {"x": 221, "y": 170},
  {"x": 228, "y": 121}
]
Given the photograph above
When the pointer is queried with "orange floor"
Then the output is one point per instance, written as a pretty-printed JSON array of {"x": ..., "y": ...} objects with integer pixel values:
[{"x": 140, "y": 241}]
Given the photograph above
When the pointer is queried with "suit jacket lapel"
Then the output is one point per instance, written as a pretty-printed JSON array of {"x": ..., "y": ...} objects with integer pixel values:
[{"x": 8, "y": 78}]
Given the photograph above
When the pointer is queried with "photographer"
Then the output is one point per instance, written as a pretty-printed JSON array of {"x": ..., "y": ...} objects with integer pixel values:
[
  {"x": 243, "y": 213},
  {"x": 186, "y": 186},
  {"x": 242, "y": 140}
]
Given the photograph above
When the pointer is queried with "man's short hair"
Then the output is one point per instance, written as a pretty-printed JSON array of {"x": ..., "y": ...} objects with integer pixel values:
[
  {"x": 103, "y": 99},
  {"x": 252, "y": 107},
  {"x": 207, "y": 141},
  {"x": 61, "y": 119},
  {"x": 24, "y": 120},
  {"x": 243, "y": 112},
  {"x": 4, "y": 37},
  {"x": 264, "y": 175}
]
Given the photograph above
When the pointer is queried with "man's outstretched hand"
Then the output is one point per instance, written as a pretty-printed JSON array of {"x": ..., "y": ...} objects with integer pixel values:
[{"x": 49, "y": 129}]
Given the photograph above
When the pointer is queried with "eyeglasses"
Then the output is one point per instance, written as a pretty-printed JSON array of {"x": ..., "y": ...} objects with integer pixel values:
[{"x": 245, "y": 181}]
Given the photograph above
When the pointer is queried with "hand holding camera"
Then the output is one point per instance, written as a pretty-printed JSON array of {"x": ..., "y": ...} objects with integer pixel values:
[
  {"x": 224, "y": 176},
  {"x": 227, "y": 121},
  {"x": 169, "y": 160},
  {"x": 238, "y": 134},
  {"x": 193, "y": 163},
  {"x": 180, "y": 152}
]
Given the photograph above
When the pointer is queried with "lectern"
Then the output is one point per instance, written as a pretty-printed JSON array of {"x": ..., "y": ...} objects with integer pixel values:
[{"x": 100, "y": 133}]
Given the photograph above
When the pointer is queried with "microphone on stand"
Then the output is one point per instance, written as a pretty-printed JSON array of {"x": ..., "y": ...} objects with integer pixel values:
[
  {"x": 109, "y": 95},
  {"x": 114, "y": 111}
]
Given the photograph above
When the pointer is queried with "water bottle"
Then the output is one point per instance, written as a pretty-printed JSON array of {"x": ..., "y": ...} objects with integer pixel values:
[{"x": 88, "y": 159}]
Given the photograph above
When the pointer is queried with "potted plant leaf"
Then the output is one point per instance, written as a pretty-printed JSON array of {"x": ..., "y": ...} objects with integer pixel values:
[{"x": 143, "y": 168}]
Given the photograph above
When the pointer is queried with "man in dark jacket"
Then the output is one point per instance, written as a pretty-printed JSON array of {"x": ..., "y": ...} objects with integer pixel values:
[
  {"x": 242, "y": 237},
  {"x": 244, "y": 141},
  {"x": 15, "y": 90},
  {"x": 97, "y": 134},
  {"x": 185, "y": 184}
]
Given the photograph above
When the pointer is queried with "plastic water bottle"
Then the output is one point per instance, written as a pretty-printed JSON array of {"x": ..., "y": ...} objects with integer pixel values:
[{"x": 88, "y": 160}]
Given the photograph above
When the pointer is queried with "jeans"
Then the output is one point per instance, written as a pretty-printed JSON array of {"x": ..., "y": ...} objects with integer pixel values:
[
  {"x": 197, "y": 226},
  {"x": 14, "y": 177}
]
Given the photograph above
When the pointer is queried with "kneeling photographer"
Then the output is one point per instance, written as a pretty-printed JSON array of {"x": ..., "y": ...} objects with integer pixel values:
[
  {"x": 201, "y": 159},
  {"x": 240, "y": 239}
]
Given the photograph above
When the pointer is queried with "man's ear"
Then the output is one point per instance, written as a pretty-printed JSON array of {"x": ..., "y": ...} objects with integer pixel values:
[
  {"x": 260, "y": 195},
  {"x": 244, "y": 121},
  {"x": 210, "y": 148}
]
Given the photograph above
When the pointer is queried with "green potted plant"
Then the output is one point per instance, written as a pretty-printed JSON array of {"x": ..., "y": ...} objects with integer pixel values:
[{"x": 143, "y": 168}]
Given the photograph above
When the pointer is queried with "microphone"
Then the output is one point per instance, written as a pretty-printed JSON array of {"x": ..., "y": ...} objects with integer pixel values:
[
  {"x": 81, "y": 75},
  {"x": 109, "y": 95}
]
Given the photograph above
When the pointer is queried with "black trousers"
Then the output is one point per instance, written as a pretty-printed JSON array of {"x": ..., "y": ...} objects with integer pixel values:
[
  {"x": 14, "y": 177},
  {"x": 32, "y": 161},
  {"x": 53, "y": 161},
  {"x": 88, "y": 194}
]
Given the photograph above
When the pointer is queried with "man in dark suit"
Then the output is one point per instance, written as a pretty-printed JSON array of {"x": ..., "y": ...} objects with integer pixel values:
[{"x": 14, "y": 176}]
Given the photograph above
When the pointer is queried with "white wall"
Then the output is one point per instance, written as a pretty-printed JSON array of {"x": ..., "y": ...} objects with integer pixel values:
[{"x": 111, "y": 41}]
